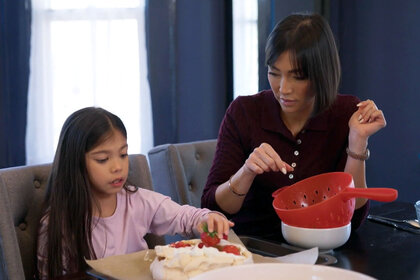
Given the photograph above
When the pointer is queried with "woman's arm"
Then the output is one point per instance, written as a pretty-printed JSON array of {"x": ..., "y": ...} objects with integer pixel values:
[
  {"x": 237, "y": 160},
  {"x": 366, "y": 121},
  {"x": 231, "y": 194}
]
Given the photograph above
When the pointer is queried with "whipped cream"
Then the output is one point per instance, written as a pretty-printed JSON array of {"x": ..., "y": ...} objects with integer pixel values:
[{"x": 185, "y": 262}]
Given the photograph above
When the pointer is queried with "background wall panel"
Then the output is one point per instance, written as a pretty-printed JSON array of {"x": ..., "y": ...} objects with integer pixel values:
[{"x": 379, "y": 49}]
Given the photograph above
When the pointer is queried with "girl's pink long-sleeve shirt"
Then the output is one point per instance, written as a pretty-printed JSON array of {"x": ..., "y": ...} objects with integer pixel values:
[{"x": 136, "y": 214}]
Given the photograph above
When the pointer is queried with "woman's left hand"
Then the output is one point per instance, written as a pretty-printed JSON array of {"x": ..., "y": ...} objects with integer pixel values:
[{"x": 366, "y": 121}]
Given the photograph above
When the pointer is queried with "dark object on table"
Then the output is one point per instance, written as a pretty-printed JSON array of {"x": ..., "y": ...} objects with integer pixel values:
[{"x": 397, "y": 225}]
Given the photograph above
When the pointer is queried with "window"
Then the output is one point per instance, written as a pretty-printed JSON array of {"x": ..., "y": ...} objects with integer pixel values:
[
  {"x": 87, "y": 53},
  {"x": 245, "y": 47}
]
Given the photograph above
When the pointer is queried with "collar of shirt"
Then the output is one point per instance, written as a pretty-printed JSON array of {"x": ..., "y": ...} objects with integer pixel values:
[{"x": 271, "y": 118}]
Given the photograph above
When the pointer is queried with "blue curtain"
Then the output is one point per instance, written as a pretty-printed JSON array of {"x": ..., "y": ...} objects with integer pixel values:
[
  {"x": 15, "y": 31},
  {"x": 190, "y": 67},
  {"x": 379, "y": 50}
]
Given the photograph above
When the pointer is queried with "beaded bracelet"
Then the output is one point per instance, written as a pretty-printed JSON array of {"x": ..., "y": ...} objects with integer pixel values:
[{"x": 232, "y": 190}]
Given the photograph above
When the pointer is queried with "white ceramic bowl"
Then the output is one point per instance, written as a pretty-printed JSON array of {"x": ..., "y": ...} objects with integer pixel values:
[
  {"x": 280, "y": 271},
  {"x": 323, "y": 238}
]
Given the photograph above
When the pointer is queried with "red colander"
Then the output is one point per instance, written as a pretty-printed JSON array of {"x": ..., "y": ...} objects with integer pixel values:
[{"x": 324, "y": 201}]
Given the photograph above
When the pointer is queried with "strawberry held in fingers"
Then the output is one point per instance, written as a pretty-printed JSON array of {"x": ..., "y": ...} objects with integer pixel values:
[{"x": 209, "y": 239}]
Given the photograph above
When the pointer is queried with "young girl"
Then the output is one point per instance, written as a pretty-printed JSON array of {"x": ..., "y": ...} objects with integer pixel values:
[{"x": 91, "y": 211}]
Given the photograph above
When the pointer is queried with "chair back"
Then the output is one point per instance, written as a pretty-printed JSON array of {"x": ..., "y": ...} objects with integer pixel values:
[
  {"x": 180, "y": 170},
  {"x": 22, "y": 191}
]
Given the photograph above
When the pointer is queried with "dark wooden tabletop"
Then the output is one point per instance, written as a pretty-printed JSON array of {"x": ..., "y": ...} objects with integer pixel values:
[{"x": 382, "y": 251}]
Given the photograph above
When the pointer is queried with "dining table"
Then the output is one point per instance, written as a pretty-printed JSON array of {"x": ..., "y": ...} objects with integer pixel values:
[
  {"x": 380, "y": 250},
  {"x": 375, "y": 249}
]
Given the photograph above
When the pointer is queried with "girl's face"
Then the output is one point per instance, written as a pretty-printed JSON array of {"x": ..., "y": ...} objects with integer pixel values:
[
  {"x": 107, "y": 166},
  {"x": 293, "y": 92}
]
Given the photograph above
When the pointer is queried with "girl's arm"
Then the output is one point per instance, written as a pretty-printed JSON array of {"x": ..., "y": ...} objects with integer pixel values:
[{"x": 166, "y": 217}]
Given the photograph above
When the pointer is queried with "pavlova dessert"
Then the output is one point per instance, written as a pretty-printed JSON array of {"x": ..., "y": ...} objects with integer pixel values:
[{"x": 184, "y": 259}]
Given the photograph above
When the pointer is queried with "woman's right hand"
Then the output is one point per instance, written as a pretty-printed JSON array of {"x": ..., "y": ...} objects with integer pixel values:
[
  {"x": 262, "y": 159},
  {"x": 265, "y": 159}
]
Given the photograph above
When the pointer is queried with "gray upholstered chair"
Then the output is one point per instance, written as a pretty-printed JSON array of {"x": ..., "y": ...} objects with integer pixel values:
[
  {"x": 180, "y": 170},
  {"x": 21, "y": 194}
]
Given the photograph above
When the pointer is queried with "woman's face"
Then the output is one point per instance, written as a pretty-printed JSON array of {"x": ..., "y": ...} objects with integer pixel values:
[
  {"x": 293, "y": 92},
  {"x": 107, "y": 166}
]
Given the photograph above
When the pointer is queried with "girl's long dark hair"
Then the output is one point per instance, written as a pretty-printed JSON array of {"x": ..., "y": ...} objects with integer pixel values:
[{"x": 68, "y": 203}]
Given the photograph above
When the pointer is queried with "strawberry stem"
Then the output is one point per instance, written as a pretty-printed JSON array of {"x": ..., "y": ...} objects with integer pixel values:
[{"x": 206, "y": 230}]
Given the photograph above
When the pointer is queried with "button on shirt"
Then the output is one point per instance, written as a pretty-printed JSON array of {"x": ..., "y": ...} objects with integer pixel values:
[{"x": 252, "y": 120}]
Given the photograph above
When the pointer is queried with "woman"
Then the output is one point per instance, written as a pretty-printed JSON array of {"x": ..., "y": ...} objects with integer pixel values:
[{"x": 299, "y": 128}]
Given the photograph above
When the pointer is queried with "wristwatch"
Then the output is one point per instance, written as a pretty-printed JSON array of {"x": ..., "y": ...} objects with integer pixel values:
[{"x": 364, "y": 156}]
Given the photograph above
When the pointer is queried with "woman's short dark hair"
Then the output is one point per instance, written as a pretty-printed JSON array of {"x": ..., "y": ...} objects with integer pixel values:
[{"x": 313, "y": 51}]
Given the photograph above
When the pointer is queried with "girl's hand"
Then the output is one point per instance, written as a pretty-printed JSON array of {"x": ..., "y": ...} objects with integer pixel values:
[
  {"x": 265, "y": 159},
  {"x": 366, "y": 121},
  {"x": 218, "y": 223}
]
